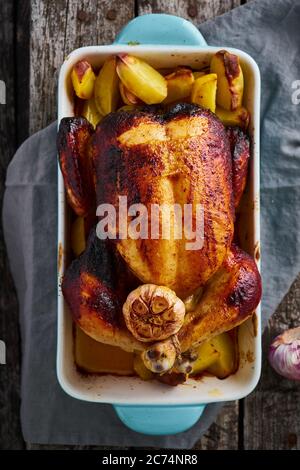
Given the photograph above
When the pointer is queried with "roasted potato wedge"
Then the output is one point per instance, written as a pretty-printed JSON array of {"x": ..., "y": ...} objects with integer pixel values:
[
  {"x": 179, "y": 84},
  {"x": 230, "y": 80},
  {"x": 141, "y": 79},
  {"x": 128, "y": 97},
  {"x": 239, "y": 117},
  {"x": 207, "y": 355},
  {"x": 83, "y": 79},
  {"x": 227, "y": 362},
  {"x": 204, "y": 91},
  {"x": 107, "y": 88},
  {"x": 91, "y": 113}
]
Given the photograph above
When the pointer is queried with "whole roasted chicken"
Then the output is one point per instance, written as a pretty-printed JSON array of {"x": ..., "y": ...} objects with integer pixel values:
[{"x": 162, "y": 296}]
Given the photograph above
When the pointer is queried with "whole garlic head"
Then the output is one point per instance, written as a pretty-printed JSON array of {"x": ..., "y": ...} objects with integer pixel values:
[
  {"x": 153, "y": 313},
  {"x": 284, "y": 354}
]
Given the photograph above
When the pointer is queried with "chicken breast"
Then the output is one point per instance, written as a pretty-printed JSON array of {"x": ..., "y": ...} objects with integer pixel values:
[{"x": 169, "y": 163}]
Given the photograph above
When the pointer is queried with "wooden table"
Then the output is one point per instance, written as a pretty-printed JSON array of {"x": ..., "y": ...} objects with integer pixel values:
[{"x": 35, "y": 37}]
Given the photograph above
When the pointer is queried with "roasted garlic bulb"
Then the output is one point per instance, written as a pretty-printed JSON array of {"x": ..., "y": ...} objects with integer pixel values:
[{"x": 153, "y": 313}]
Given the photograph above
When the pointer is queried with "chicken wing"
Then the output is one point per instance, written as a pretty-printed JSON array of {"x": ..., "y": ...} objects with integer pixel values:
[{"x": 95, "y": 287}]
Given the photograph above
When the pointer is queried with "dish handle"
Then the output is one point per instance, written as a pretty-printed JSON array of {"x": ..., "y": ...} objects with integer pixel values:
[
  {"x": 159, "y": 420},
  {"x": 160, "y": 29}
]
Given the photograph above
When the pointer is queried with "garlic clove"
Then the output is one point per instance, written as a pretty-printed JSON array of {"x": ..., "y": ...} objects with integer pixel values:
[{"x": 284, "y": 354}]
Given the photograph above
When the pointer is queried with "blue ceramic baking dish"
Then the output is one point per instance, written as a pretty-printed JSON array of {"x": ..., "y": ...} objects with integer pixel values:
[{"x": 151, "y": 407}]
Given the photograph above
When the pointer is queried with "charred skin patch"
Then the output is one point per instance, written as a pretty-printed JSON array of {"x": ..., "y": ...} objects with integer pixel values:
[{"x": 97, "y": 283}]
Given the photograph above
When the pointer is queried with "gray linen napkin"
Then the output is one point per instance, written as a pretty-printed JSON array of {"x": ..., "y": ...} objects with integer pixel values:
[{"x": 267, "y": 30}]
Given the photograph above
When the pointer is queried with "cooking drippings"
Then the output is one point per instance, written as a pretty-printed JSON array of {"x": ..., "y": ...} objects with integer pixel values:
[{"x": 94, "y": 357}]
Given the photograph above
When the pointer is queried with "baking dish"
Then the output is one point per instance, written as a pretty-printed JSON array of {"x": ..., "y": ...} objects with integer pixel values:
[{"x": 151, "y": 407}]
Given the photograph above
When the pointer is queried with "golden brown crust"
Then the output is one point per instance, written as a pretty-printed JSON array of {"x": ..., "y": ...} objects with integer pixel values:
[
  {"x": 154, "y": 157},
  {"x": 181, "y": 156}
]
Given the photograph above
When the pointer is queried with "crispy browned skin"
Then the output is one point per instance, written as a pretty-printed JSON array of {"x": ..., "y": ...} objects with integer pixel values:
[
  {"x": 95, "y": 286},
  {"x": 182, "y": 157},
  {"x": 240, "y": 151},
  {"x": 150, "y": 156},
  {"x": 72, "y": 143},
  {"x": 229, "y": 298}
]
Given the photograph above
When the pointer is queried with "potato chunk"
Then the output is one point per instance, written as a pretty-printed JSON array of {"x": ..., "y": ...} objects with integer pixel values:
[
  {"x": 90, "y": 112},
  {"x": 179, "y": 84},
  {"x": 128, "y": 97},
  {"x": 239, "y": 117},
  {"x": 230, "y": 80},
  {"x": 83, "y": 79},
  {"x": 107, "y": 87},
  {"x": 204, "y": 91},
  {"x": 226, "y": 364},
  {"x": 141, "y": 79},
  {"x": 207, "y": 355}
]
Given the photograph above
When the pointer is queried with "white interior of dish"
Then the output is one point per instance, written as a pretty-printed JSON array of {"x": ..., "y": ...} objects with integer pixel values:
[{"x": 132, "y": 390}]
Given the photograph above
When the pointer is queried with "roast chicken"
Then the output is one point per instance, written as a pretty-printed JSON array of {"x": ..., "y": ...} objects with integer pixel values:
[{"x": 131, "y": 292}]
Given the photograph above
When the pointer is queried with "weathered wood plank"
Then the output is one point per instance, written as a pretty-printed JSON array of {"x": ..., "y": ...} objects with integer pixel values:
[
  {"x": 271, "y": 413},
  {"x": 223, "y": 434},
  {"x": 22, "y": 20},
  {"x": 10, "y": 432},
  {"x": 56, "y": 29},
  {"x": 196, "y": 11}
]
